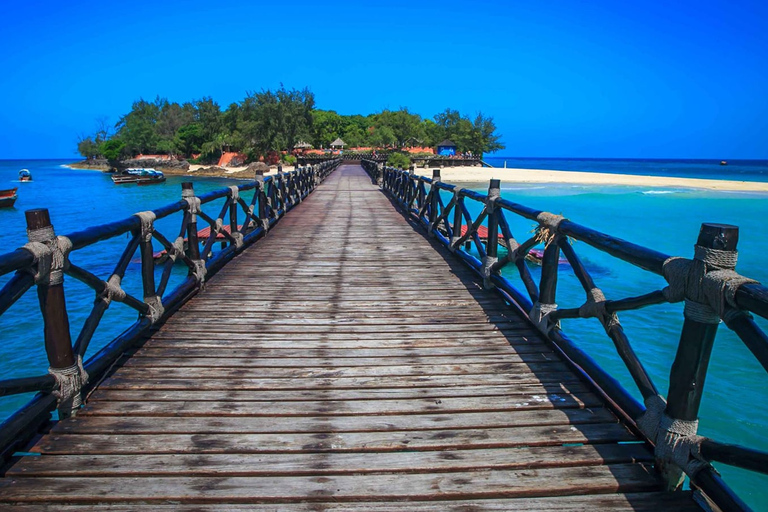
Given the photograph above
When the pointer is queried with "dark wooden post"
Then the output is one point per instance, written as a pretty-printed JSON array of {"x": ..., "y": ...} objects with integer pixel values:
[
  {"x": 689, "y": 370},
  {"x": 50, "y": 294},
  {"x": 234, "y": 193},
  {"x": 434, "y": 201},
  {"x": 492, "y": 243},
  {"x": 263, "y": 211},
  {"x": 457, "y": 220},
  {"x": 193, "y": 245}
]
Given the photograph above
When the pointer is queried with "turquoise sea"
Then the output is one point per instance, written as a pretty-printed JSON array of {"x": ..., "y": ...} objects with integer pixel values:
[{"x": 666, "y": 219}]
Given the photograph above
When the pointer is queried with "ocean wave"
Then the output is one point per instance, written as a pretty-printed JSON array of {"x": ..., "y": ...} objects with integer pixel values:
[{"x": 656, "y": 192}]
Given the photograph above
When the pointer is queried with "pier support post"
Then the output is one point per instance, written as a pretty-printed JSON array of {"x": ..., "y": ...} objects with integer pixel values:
[
  {"x": 434, "y": 203},
  {"x": 689, "y": 370},
  {"x": 50, "y": 259},
  {"x": 263, "y": 206},
  {"x": 492, "y": 243},
  {"x": 193, "y": 243}
]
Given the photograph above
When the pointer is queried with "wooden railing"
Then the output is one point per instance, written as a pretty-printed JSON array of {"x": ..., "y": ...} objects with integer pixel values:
[
  {"x": 46, "y": 260},
  {"x": 708, "y": 284}
]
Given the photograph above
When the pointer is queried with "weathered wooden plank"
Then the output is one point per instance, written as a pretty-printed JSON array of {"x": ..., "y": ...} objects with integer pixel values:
[
  {"x": 341, "y": 407},
  {"x": 456, "y": 485},
  {"x": 322, "y": 424},
  {"x": 634, "y": 502},
  {"x": 324, "y": 360},
  {"x": 327, "y": 464},
  {"x": 415, "y": 369},
  {"x": 139, "y": 381},
  {"x": 150, "y": 351},
  {"x": 555, "y": 391},
  {"x": 62, "y": 443}
]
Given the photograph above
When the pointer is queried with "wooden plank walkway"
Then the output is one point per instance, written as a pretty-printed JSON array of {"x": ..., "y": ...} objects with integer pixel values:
[{"x": 341, "y": 364}]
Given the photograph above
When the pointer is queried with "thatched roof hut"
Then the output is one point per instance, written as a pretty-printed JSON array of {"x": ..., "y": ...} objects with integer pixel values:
[
  {"x": 338, "y": 143},
  {"x": 302, "y": 145}
]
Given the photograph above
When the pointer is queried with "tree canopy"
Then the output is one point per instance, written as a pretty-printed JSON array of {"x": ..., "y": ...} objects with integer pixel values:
[{"x": 275, "y": 121}]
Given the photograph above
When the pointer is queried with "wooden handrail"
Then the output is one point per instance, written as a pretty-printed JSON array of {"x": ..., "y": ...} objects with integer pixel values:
[
  {"x": 273, "y": 197},
  {"x": 444, "y": 220}
]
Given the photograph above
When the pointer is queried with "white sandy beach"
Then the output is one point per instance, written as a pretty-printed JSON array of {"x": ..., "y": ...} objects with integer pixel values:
[{"x": 507, "y": 175}]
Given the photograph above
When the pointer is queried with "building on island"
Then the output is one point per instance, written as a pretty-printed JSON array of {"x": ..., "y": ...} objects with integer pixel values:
[
  {"x": 446, "y": 148},
  {"x": 338, "y": 144}
]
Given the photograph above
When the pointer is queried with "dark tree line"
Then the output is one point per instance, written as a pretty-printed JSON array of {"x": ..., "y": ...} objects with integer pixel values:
[{"x": 275, "y": 121}]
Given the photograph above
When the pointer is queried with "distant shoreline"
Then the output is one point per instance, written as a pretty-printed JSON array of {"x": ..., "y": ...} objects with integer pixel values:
[
  {"x": 507, "y": 176},
  {"x": 543, "y": 176}
]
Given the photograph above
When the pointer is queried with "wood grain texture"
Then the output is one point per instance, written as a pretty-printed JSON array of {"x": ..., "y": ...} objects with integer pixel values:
[{"x": 343, "y": 363}]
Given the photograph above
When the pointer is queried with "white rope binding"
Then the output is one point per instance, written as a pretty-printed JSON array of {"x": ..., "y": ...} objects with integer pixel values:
[
  {"x": 50, "y": 253},
  {"x": 707, "y": 284},
  {"x": 539, "y": 315},
  {"x": 676, "y": 440},
  {"x": 69, "y": 383}
]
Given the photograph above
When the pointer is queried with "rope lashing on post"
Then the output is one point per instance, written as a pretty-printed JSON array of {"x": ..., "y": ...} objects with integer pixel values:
[
  {"x": 156, "y": 308},
  {"x": 112, "y": 290},
  {"x": 456, "y": 203},
  {"x": 676, "y": 440},
  {"x": 69, "y": 383},
  {"x": 50, "y": 253},
  {"x": 193, "y": 201},
  {"x": 199, "y": 271},
  {"x": 594, "y": 307},
  {"x": 488, "y": 263},
  {"x": 238, "y": 239},
  {"x": 176, "y": 249},
  {"x": 539, "y": 315},
  {"x": 707, "y": 284},
  {"x": 547, "y": 230},
  {"x": 234, "y": 193},
  {"x": 147, "y": 224}
]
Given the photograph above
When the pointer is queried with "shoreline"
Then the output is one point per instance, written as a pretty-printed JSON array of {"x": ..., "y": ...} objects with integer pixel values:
[
  {"x": 544, "y": 176},
  {"x": 481, "y": 175},
  {"x": 195, "y": 170}
]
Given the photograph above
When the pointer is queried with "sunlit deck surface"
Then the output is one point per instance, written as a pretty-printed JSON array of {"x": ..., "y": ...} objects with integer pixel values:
[{"x": 343, "y": 363}]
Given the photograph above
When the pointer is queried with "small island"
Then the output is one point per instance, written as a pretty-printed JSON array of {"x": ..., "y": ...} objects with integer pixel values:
[{"x": 271, "y": 128}]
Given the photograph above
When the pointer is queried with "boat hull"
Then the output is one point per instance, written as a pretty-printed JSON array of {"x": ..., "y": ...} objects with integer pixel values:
[{"x": 8, "y": 198}]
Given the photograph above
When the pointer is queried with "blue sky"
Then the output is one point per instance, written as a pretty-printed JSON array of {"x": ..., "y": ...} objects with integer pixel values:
[{"x": 649, "y": 79}]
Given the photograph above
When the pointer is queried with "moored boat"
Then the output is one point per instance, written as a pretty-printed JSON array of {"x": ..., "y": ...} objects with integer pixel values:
[
  {"x": 139, "y": 176},
  {"x": 25, "y": 175},
  {"x": 7, "y": 197}
]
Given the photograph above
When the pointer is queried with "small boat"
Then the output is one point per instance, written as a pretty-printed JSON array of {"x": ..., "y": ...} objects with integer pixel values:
[
  {"x": 140, "y": 176},
  {"x": 25, "y": 175},
  {"x": 7, "y": 198},
  {"x": 723, "y": 162}
]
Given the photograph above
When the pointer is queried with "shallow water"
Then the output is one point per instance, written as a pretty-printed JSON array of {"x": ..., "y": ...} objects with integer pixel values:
[{"x": 666, "y": 219}]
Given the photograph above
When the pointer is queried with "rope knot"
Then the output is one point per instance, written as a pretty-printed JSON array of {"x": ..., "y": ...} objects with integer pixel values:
[
  {"x": 676, "y": 440},
  {"x": 707, "y": 284},
  {"x": 50, "y": 253},
  {"x": 238, "y": 239},
  {"x": 69, "y": 381},
  {"x": 177, "y": 249},
  {"x": 156, "y": 308},
  {"x": 194, "y": 205},
  {"x": 547, "y": 230},
  {"x": 539, "y": 315},
  {"x": 112, "y": 290},
  {"x": 147, "y": 224},
  {"x": 234, "y": 193},
  {"x": 199, "y": 271}
]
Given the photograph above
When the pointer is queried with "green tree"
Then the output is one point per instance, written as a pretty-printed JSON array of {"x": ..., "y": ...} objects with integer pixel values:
[
  {"x": 137, "y": 128},
  {"x": 189, "y": 139},
  {"x": 382, "y": 136},
  {"x": 88, "y": 148},
  {"x": 113, "y": 150}
]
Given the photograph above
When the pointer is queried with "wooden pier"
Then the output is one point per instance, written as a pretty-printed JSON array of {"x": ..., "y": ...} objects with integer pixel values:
[{"x": 358, "y": 366}]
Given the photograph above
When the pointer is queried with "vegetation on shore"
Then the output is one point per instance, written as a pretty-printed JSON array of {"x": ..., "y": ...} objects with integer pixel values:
[{"x": 270, "y": 123}]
